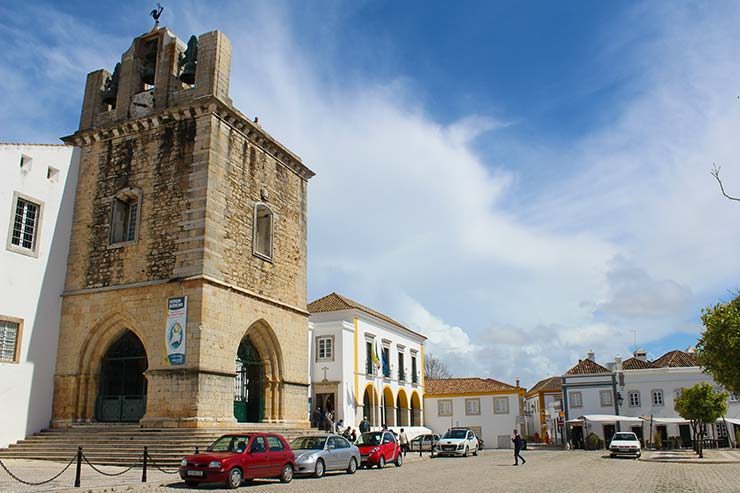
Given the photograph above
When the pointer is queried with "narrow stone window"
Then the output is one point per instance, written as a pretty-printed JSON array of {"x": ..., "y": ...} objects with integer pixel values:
[
  {"x": 263, "y": 231},
  {"x": 124, "y": 223}
]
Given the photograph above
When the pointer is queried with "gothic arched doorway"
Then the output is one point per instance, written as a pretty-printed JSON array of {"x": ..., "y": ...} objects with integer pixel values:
[
  {"x": 122, "y": 395},
  {"x": 249, "y": 384}
]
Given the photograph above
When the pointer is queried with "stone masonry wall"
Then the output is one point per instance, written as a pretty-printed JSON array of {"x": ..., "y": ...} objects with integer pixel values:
[
  {"x": 239, "y": 176},
  {"x": 159, "y": 163}
]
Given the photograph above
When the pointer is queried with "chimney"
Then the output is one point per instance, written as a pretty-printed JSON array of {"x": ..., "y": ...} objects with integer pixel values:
[
  {"x": 640, "y": 354},
  {"x": 591, "y": 355},
  {"x": 517, "y": 383},
  {"x": 618, "y": 363}
]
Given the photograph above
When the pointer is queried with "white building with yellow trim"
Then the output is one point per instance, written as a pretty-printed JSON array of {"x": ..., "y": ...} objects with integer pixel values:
[
  {"x": 343, "y": 378},
  {"x": 492, "y": 409}
]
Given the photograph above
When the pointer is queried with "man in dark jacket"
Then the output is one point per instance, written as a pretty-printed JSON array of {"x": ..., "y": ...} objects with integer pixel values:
[
  {"x": 518, "y": 442},
  {"x": 364, "y": 425}
]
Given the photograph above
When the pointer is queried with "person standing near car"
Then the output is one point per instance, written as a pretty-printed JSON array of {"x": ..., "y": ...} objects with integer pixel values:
[
  {"x": 364, "y": 425},
  {"x": 404, "y": 441},
  {"x": 518, "y": 442}
]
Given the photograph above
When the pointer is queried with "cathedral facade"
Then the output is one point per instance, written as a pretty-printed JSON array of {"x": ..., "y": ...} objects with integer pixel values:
[{"x": 185, "y": 296}]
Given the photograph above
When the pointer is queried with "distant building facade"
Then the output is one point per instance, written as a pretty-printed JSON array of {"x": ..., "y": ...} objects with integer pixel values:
[
  {"x": 542, "y": 405},
  {"x": 639, "y": 388},
  {"x": 37, "y": 185},
  {"x": 343, "y": 377},
  {"x": 492, "y": 409}
]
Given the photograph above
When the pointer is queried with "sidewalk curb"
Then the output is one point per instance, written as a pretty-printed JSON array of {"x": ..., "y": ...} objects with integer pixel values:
[{"x": 691, "y": 461}]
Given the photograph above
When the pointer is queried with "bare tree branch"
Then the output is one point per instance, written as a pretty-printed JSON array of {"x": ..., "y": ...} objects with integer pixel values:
[
  {"x": 715, "y": 174},
  {"x": 435, "y": 369}
]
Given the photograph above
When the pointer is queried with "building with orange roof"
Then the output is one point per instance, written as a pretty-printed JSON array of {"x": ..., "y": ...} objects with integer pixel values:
[
  {"x": 542, "y": 406},
  {"x": 363, "y": 363},
  {"x": 491, "y": 408}
]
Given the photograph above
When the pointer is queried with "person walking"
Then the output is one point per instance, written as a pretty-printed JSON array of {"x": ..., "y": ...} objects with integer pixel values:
[
  {"x": 518, "y": 442},
  {"x": 404, "y": 441},
  {"x": 364, "y": 425}
]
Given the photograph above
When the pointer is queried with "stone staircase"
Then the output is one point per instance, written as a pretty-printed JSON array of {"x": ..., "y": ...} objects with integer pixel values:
[{"x": 123, "y": 445}]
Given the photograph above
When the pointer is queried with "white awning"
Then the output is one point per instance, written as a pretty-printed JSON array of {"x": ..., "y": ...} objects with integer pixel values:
[
  {"x": 734, "y": 421},
  {"x": 609, "y": 418},
  {"x": 667, "y": 421}
]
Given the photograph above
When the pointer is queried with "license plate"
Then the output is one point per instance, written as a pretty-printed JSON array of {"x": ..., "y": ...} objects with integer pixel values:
[{"x": 195, "y": 473}]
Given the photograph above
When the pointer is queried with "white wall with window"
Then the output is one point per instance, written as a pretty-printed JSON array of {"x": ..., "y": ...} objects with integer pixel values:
[
  {"x": 343, "y": 334},
  {"x": 37, "y": 187},
  {"x": 493, "y": 415}
]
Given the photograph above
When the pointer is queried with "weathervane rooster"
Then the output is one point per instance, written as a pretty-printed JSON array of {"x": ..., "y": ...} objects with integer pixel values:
[{"x": 156, "y": 14}]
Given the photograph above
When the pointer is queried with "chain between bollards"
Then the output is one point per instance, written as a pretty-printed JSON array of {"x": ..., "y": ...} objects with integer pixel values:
[{"x": 79, "y": 467}]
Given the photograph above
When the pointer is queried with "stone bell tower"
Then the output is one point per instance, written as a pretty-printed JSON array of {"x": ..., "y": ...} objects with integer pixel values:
[{"x": 185, "y": 296}]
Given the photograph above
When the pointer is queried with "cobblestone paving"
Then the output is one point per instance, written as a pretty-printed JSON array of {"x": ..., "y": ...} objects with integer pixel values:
[{"x": 545, "y": 471}]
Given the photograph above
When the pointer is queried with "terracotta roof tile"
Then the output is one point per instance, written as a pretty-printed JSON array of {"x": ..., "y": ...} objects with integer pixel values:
[
  {"x": 551, "y": 384},
  {"x": 587, "y": 367},
  {"x": 676, "y": 358},
  {"x": 465, "y": 386},
  {"x": 335, "y": 302},
  {"x": 636, "y": 364}
]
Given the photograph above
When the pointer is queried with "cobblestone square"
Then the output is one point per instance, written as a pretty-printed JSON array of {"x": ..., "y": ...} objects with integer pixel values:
[{"x": 545, "y": 471}]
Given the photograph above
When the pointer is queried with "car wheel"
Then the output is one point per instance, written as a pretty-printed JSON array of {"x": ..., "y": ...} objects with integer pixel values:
[
  {"x": 234, "y": 479},
  {"x": 399, "y": 460},
  {"x": 352, "y": 467},
  {"x": 381, "y": 462},
  {"x": 319, "y": 471},
  {"x": 191, "y": 484},
  {"x": 639, "y": 454},
  {"x": 286, "y": 475},
  {"x": 612, "y": 455},
  {"x": 465, "y": 452}
]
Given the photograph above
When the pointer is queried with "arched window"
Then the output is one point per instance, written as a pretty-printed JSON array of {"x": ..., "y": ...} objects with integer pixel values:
[
  {"x": 124, "y": 222},
  {"x": 263, "y": 231}
]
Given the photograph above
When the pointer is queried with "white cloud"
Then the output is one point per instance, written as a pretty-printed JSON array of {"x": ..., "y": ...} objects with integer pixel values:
[{"x": 407, "y": 217}]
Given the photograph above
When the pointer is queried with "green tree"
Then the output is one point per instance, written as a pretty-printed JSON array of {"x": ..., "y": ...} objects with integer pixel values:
[
  {"x": 701, "y": 405},
  {"x": 718, "y": 350}
]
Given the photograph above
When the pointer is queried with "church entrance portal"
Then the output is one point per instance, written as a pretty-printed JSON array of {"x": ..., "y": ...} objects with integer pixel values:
[
  {"x": 122, "y": 395},
  {"x": 248, "y": 385}
]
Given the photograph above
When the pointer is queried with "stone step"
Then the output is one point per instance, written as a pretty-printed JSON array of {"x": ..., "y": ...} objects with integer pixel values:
[{"x": 123, "y": 445}]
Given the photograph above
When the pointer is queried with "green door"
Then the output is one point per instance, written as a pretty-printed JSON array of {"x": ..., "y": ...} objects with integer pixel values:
[
  {"x": 248, "y": 385},
  {"x": 122, "y": 394}
]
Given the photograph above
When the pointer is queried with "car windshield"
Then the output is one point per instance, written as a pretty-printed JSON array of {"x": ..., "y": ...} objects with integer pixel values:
[
  {"x": 230, "y": 443},
  {"x": 372, "y": 438},
  {"x": 456, "y": 434},
  {"x": 624, "y": 436},
  {"x": 308, "y": 443}
]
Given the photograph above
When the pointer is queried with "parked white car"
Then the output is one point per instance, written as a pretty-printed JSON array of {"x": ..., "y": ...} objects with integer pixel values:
[
  {"x": 624, "y": 443},
  {"x": 457, "y": 441}
]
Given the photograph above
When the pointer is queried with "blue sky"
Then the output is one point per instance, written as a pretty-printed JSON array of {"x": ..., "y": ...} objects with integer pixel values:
[{"x": 521, "y": 181}]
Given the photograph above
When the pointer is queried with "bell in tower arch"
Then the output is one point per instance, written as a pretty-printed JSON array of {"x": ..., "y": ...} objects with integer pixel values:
[
  {"x": 110, "y": 91},
  {"x": 149, "y": 62},
  {"x": 189, "y": 61}
]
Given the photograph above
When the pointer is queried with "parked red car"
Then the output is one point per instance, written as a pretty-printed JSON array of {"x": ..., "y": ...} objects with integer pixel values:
[
  {"x": 234, "y": 458},
  {"x": 378, "y": 448}
]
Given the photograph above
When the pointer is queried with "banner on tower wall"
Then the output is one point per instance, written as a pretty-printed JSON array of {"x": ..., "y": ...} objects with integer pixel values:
[{"x": 177, "y": 318}]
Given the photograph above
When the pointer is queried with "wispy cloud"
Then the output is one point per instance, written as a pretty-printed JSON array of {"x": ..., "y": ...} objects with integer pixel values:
[{"x": 407, "y": 215}]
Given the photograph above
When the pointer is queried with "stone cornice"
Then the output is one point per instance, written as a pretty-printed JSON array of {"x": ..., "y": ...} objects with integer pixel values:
[{"x": 196, "y": 108}]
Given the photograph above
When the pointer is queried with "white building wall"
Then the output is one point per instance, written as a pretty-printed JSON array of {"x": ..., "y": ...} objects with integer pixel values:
[
  {"x": 341, "y": 372},
  {"x": 30, "y": 286},
  {"x": 496, "y": 429}
]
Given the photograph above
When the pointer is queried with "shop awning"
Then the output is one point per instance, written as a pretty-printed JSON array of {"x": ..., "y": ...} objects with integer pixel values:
[
  {"x": 609, "y": 418},
  {"x": 667, "y": 421},
  {"x": 734, "y": 421}
]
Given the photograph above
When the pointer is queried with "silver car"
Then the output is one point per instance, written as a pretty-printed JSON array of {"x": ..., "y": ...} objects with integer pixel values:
[{"x": 317, "y": 454}]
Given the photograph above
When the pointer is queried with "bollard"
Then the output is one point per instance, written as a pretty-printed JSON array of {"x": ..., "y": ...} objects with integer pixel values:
[
  {"x": 420, "y": 448},
  {"x": 196, "y": 449},
  {"x": 143, "y": 467},
  {"x": 79, "y": 467}
]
